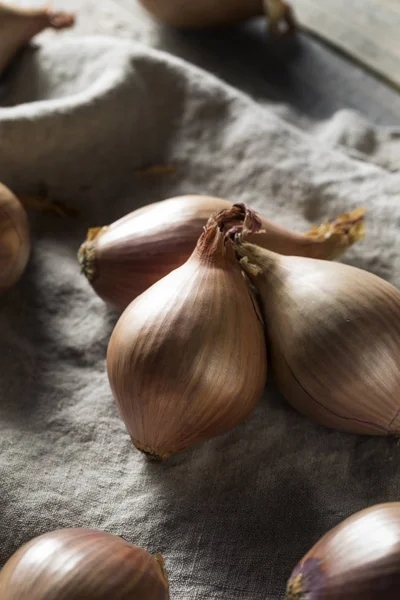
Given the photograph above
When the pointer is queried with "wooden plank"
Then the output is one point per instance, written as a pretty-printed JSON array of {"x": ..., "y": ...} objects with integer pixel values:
[{"x": 366, "y": 30}]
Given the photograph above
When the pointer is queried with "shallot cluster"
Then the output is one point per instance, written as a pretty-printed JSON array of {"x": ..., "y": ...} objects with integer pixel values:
[
  {"x": 175, "y": 357},
  {"x": 187, "y": 359},
  {"x": 206, "y": 286}
]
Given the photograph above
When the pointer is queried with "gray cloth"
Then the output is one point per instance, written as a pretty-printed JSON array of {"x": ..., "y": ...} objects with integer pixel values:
[{"x": 231, "y": 516}]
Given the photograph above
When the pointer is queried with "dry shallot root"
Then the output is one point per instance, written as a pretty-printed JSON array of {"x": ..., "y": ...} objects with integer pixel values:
[
  {"x": 19, "y": 25},
  {"x": 43, "y": 203}
]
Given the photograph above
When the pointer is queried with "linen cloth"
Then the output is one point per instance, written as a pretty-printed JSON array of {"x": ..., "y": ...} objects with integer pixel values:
[{"x": 232, "y": 516}]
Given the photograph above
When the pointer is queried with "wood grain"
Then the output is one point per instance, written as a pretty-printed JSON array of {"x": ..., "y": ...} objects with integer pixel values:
[{"x": 366, "y": 30}]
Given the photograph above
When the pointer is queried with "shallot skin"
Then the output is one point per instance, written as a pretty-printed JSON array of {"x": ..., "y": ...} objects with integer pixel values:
[
  {"x": 82, "y": 564},
  {"x": 334, "y": 332},
  {"x": 357, "y": 560},
  {"x": 129, "y": 256},
  {"x": 187, "y": 359},
  {"x": 15, "y": 243}
]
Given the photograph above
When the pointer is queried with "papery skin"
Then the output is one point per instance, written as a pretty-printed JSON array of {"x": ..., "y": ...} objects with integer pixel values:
[
  {"x": 129, "y": 256},
  {"x": 83, "y": 564},
  {"x": 334, "y": 332}
]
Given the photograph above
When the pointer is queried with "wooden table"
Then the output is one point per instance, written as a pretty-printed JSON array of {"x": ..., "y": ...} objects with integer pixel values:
[{"x": 367, "y": 30}]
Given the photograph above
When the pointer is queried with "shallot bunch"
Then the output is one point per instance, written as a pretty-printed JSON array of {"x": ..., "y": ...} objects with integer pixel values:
[{"x": 187, "y": 358}]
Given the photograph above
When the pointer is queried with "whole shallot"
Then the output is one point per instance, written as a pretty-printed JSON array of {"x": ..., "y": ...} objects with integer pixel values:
[
  {"x": 15, "y": 244},
  {"x": 187, "y": 358},
  {"x": 334, "y": 332},
  {"x": 357, "y": 560},
  {"x": 124, "y": 259},
  {"x": 83, "y": 564}
]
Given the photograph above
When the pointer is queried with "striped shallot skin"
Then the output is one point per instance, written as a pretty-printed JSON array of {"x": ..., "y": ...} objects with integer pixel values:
[
  {"x": 335, "y": 340},
  {"x": 187, "y": 359},
  {"x": 359, "y": 559},
  {"x": 82, "y": 564}
]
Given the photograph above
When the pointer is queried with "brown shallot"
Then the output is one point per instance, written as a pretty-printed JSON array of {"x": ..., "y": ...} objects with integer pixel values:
[
  {"x": 357, "y": 560},
  {"x": 216, "y": 13},
  {"x": 334, "y": 332},
  {"x": 78, "y": 564},
  {"x": 124, "y": 259},
  {"x": 15, "y": 242},
  {"x": 187, "y": 359}
]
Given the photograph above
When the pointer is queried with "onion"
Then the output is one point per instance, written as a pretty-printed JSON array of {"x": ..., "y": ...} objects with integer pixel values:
[
  {"x": 357, "y": 560},
  {"x": 14, "y": 239},
  {"x": 187, "y": 359},
  {"x": 334, "y": 332},
  {"x": 123, "y": 260},
  {"x": 211, "y": 13},
  {"x": 81, "y": 564}
]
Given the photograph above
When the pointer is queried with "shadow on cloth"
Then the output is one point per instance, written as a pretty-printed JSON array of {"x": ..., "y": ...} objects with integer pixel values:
[
  {"x": 42, "y": 319},
  {"x": 300, "y": 71},
  {"x": 94, "y": 117},
  {"x": 268, "y": 510},
  {"x": 238, "y": 516}
]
